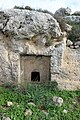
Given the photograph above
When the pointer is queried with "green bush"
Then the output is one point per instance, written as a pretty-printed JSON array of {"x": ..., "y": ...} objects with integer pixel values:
[
  {"x": 74, "y": 35},
  {"x": 48, "y": 41},
  {"x": 18, "y": 7}
]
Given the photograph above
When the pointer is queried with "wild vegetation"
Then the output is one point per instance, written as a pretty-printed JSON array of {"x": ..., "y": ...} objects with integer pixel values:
[
  {"x": 74, "y": 35},
  {"x": 32, "y": 9},
  {"x": 43, "y": 107}
]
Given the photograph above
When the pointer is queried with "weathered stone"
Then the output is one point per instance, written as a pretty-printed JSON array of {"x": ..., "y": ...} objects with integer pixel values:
[
  {"x": 72, "y": 46},
  {"x": 60, "y": 15},
  {"x": 69, "y": 43},
  {"x": 62, "y": 12},
  {"x": 70, "y": 77},
  {"x": 24, "y": 24},
  {"x": 77, "y": 43},
  {"x": 58, "y": 101},
  {"x": 76, "y": 46},
  {"x": 25, "y": 33},
  {"x": 9, "y": 103},
  {"x": 28, "y": 112},
  {"x": 6, "y": 118}
]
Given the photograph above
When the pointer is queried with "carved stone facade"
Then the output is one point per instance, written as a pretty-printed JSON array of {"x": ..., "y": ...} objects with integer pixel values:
[
  {"x": 18, "y": 55},
  {"x": 34, "y": 68}
]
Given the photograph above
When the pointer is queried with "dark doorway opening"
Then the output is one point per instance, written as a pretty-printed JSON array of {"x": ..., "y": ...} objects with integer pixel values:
[{"x": 35, "y": 76}]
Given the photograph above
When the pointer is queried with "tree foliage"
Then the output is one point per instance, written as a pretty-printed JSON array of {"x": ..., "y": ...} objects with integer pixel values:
[{"x": 74, "y": 35}]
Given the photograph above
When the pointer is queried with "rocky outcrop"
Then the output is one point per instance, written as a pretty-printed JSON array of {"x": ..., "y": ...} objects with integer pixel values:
[
  {"x": 62, "y": 12},
  {"x": 60, "y": 15},
  {"x": 25, "y": 32},
  {"x": 69, "y": 43},
  {"x": 30, "y": 33},
  {"x": 69, "y": 77},
  {"x": 25, "y": 24}
]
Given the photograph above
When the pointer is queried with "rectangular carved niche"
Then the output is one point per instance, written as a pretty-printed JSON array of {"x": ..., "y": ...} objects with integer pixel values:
[{"x": 34, "y": 68}]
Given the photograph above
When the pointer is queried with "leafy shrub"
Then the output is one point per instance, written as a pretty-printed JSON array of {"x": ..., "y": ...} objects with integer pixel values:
[
  {"x": 18, "y": 7},
  {"x": 62, "y": 23},
  {"x": 48, "y": 41},
  {"x": 74, "y": 35},
  {"x": 28, "y": 8},
  {"x": 23, "y": 8},
  {"x": 9, "y": 85}
]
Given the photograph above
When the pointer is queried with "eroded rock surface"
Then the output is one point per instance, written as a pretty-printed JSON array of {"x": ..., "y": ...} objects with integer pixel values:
[
  {"x": 31, "y": 33},
  {"x": 23, "y": 24},
  {"x": 59, "y": 15}
]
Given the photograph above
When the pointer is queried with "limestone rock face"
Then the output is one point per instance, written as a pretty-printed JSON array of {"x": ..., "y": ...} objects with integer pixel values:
[
  {"x": 69, "y": 43},
  {"x": 25, "y": 33},
  {"x": 25, "y": 24},
  {"x": 60, "y": 15},
  {"x": 69, "y": 78},
  {"x": 62, "y": 12},
  {"x": 77, "y": 43}
]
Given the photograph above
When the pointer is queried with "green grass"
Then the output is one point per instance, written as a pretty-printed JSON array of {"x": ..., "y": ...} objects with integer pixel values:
[{"x": 42, "y": 96}]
